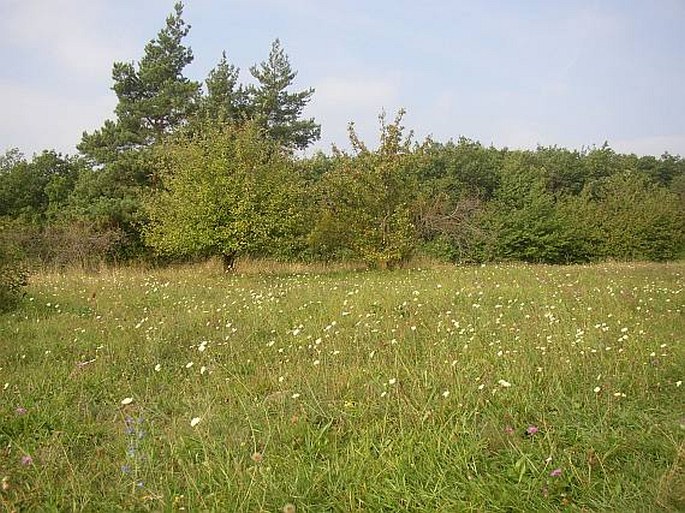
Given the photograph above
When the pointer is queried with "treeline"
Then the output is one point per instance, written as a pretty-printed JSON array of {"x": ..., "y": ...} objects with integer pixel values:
[{"x": 188, "y": 170}]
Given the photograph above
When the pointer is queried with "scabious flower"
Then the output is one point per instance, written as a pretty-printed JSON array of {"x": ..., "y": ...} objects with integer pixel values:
[
  {"x": 20, "y": 410},
  {"x": 26, "y": 459},
  {"x": 130, "y": 425},
  {"x": 531, "y": 430},
  {"x": 555, "y": 473}
]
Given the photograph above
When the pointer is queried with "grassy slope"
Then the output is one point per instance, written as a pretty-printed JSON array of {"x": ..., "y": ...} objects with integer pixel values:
[{"x": 357, "y": 391}]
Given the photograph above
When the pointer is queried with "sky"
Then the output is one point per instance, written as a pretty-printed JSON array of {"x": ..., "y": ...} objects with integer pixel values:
[{"x": 508, "y": 73}]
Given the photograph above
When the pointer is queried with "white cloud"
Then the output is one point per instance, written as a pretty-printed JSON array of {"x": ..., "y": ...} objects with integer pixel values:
[
  {"x": 34, "y": 120},
  {"x": 56, "y": 78},
  {"x": 339, "y": 101},
  {"x": 74, "y": 34},
  {"x": 655, "y": 145}
]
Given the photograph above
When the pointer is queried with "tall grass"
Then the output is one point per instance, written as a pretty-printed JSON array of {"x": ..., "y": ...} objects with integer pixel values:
[{"x": 497, "y": 388}]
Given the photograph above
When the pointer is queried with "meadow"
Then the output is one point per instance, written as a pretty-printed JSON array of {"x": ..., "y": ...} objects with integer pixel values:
[{"x": 480, "y": 389}]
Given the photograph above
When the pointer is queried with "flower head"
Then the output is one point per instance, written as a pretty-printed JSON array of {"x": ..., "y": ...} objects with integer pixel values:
[
  {"x": 26, "y": 459},
  {"x": 531, "y": 430},
  {"x": 195, "y": 421},
  {"x": 555, "y": 473}
]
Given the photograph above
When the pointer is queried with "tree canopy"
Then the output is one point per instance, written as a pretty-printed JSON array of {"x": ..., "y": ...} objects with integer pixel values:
[
  {"x": 186, "y": 169},
  {"x": 277, "y": 110},
  {"x": 154, "y": 97},
  {"x": 226, "y": 191}
]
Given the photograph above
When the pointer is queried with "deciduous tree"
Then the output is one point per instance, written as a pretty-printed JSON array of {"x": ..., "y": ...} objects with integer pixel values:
[
  {"x": 226, "y": 190},
  {"x": 367, "y": 200}
]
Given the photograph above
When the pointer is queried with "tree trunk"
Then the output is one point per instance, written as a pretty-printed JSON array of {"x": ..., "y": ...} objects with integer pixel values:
[{"x": 228, "y": 260}]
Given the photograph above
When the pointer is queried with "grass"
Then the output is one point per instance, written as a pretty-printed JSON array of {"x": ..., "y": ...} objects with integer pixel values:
[{"x": 497, "y": 388}]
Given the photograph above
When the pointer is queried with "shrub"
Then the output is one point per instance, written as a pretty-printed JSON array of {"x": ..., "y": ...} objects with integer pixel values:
[
  {"x": 527, "y": 222},
  {"x": 226, "y": 191},
  {"x": 367, "y": 201},
  {"x": 629, "y": 218},
  {"x": 13, "y": 274}
]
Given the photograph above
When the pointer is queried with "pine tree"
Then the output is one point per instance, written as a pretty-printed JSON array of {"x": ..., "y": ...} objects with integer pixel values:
[
  {"x": 154, "y": 99},
  {"x": 226, "y": 100},
  {"x": 154, "y": 96},
  {"x": 278, "y": 111}
]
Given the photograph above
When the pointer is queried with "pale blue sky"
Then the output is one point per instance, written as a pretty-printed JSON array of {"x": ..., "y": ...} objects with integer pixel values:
[{"x": 517, "y": 74}]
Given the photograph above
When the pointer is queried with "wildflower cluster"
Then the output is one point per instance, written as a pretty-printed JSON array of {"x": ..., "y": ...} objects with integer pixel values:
[{"x": 134, "y": 432}]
